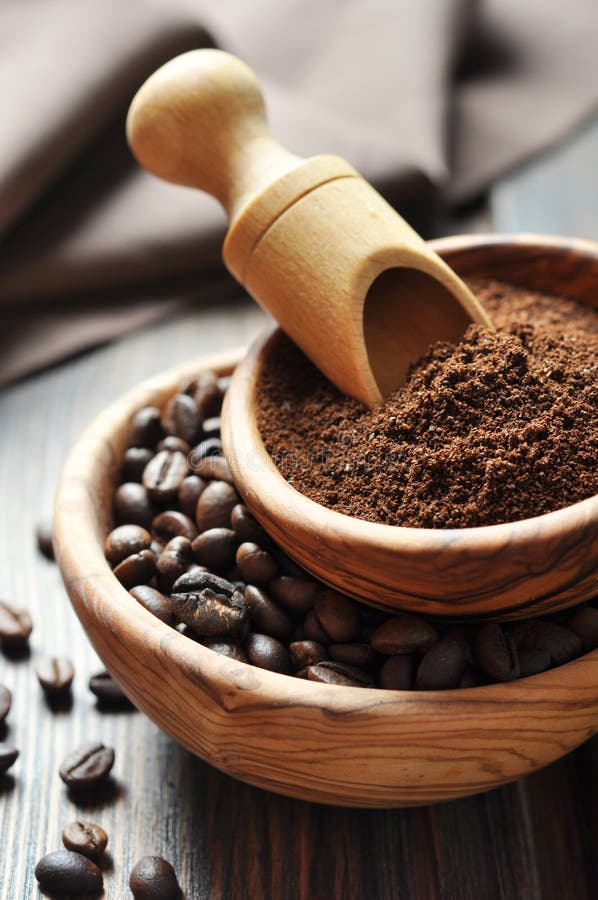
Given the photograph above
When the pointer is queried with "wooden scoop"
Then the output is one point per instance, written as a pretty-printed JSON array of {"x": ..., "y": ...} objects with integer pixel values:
[{"x": 346, "y": 277}]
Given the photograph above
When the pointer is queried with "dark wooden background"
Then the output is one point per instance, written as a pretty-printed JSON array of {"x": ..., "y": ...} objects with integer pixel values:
[{"x": 533, "y": 840}]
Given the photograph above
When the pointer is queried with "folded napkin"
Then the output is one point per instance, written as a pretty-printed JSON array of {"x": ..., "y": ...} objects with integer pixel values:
[{"x": 431, "y": 101}]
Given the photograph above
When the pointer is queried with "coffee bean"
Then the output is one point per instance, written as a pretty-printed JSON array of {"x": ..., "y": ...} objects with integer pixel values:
[
  {"x": 256, "y": 565},
  {"x": 55, "y": 674},
  {"x": 267, "y": 617},
  {"x": 404, "y": 633},
  {"x": 175, "y": 445},
  {"x": 338, "y": 616},
  {"x": 153, "y": 878},
  {"x": 215, "y": 505},
  {"x": 444, "y": 663},
  {"x": 215, "y": 548},
  {"x": 307, "y": 653},
  {"x": 146, "y": 428},
  {"x": 135, "y": 459},
  {"x": 87, "y": 767},
  {"x": 246, "y": 528},
  {"x": 5, "y": 702},
  {"x": 214, "y": 468},
  {"x": 210, "y": 605},
  {"x": 188, "y": 494},
  {"x": 206, "y": 394},
  {"x": 125, "y": 540},
  {"x": 296, "y": 595},
  {"x": 133, "y": 505},
  {"x": 181, "y": 418},
  {"x": 354, "y": 654},
  {"x": 312, "y": 629},
  {"x": 397, "y": 673},
  {"x": 154, "y": 601},
  {"x": 266, "y": 652},
  {"x": 496, "y": 653},
  {"x": 226, "y": 648},
  {"x": 64, "y": 873},
  {"x": 164, "y": 474},
  {"x": 45, "y": 544},
  {"x": 209, "y": 447},
  {"x": 173, "y": 523},
  {"x": 584, "y": 622},
  {"x": 15, "y": 625},
  {"x": 107, "y": 690},
  {"x": 8, "y": 755},
  {"x": 532, "y": 662},
  {"x": 173, "y": 562},
  {"x": 471, "y": 677},
  {"x": 136, "y": 569},
  {"x": 329, "y": 672},
  {"x": 561, "y": 643},
  {"x": 86, "y": 838},
  {"x": 211, "y": 427}
]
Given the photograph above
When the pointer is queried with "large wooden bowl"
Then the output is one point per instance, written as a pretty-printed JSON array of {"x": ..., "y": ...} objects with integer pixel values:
[
  {"x": 351, "y": 746},
  {"x": 509, "y": 571}
]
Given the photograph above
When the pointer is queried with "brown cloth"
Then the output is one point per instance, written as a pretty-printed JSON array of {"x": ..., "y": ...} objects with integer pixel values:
[{"x": 429, "y": 100}]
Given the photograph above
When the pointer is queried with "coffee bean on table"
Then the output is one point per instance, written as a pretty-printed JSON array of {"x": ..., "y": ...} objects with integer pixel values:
[
  {"x": 266, "y": 652},
  {"x": 215, "y": 548},
  {"x": 135, "y": 459},
  {"x": 560, "y": 642},
  {"x": 584, "y": 622},
  {"x": 153, "y": 878},
  {"x": 181, "y": 418},
  {"x": 444, "y": 663},
  {"x": 154, "y": 601},
  {"x": 188, "y": 494},
  {"x": 330, "y": 672},
  {"x": 338, "y": 616},
  {"x": 496, "y": 653},
  {"x": 136, "y": 569},
  {"x": 146, "y": 427},
  {"x": 164, "y": 474},
  {"x": 247, "y": 528},
  {"x": 214, "y": 467},
  {"x": 296, "y": 595},
  {"x": 87, "y": 767},
  {"x": 173, "y": 562},
  {"x": 107, "y": 690},
  {"x": 86, "y": 838},
  {"x": 55, "y": 674},
  {"x": 404, "y": 633},
  {"x": 211, "y": 606},
  {"x": 307, "y": 653},
  {"x": 173, "y": 523},
  {"x": 45, "y": 545},
  {"x": 397, "y": 673},
  {"x": 5, "y": 702},
  {"x": 215, "y": 505},
  {"x": 225, "y": 648},
  {"x": 64, "y": 873},
  {"x": 132, "y": 504},
  {"x": 256, "y": 565},
  {"x": 15, "y": 624},
  {"x": 125, "y": 540},
  {"x": 8, "y": 755},
  {"x": 266, "y": 615}
]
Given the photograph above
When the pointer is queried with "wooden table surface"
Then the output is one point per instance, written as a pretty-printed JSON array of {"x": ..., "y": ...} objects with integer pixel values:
[{"x": 533, "y": 840}]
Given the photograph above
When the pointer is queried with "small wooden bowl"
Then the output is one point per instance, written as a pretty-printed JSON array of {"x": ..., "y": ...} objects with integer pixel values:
[
  {"x": 518, "y": 570},
  {"x": 349, "y": 746}
]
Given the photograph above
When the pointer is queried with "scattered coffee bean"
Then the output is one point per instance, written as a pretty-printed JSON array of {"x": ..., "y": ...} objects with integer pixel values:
[
  {"x": 87, "y": 767},
  {"x": 45, "y": 545},
  {"x": 136, "y": 569},
  {"x": 226, "y": 648},
  {"x": 246, "y": 528},
  {"x": 8, "y": 755},
  {"x": 210, "y": 605},
  {"x": 146, "y": 428},
  {"x": 173, "y": 562},
  {"x": 64, "y": 873},
  {"x": 329, "y": 672},
  {"x": 307, "y": 653},
  {"x": 134, "y": 462},
  {"x": 86, "y": 838},
  {"x": 214, "y": 467},
  {"x": 354, "y": 654},
  {"x": 584, "y": 622},
  {"x": 164, "y": 474},
  {"x": 153, "y": 878},
  {"x": 397, "y": 673},
  {"x": 15, "y": 625},
  {"x": 125, "y": 540},
  {"x": 5, "y": 702},
  {"x": 338, "y": 616},
  {"x": 107, "y": 690},
  {"x": 55, "y": 674},
  {"x": 256, "y": 565},
  {"x": 443, "y": 664},
  {"x": 267, "y": 617},
  {"x": 132, "y": 504},
  {"x": 175, "y": 445},
  {"x": 266, "y": 652},
  {"x": 496, "y": 653},
  {"x": 188, "y": 494},
  {"x": 404, "y": 633},
  {"x": 215, "y": 505},
  {"x": 312, "y": 630},
  {"x": 561, "y": 643},
  {"x": 181, "y": 418},
  {"x": 154, "y": 601},
  {"x": 172, "y": 523},
  {"x": 215, "y": 548},
  {"x": 206, "y": 393},
  {"x": 211, "y": 446},
  {"x": 296, "y": 595}
]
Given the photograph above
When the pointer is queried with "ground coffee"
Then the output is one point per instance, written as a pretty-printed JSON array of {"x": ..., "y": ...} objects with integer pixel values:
[{"x": 496, "y": 428}]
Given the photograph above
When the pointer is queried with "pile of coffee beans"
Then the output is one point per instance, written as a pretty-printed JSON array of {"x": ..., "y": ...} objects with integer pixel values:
[{"x": 190, "y": 552}]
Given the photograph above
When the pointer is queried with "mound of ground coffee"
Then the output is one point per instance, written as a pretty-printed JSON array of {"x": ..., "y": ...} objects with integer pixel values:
[{"x": 497, "y": 428}]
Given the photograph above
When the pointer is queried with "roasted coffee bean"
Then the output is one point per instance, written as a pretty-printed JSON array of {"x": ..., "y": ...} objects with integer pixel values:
[
  {"x": 125, "y": 540},
  {"x": 561, "y": 643},
  {"x": 338, "y": 616},
  {"x": 174, "y": 444},
  {"x": 163, "y": 476},
  {"x": 107, "y": 690},
  {"x": 307, "y": 653},
  {"x": 296, "y": 595},
  {"x": 8, "y": 755},
  {"x": 136, "y": 569},
  {"x": 532, "y": 662},
  {"x": 211, "y": 427},
  {"x": 286, "y": 565},
  {"x": 214, "y": 468},
  {"x": 496, "y": 653},
  {"x": 64, "y": 873},
  {"x": 329, "y": 672},
  {"x": 55, "y": 674},
  {"x": 354, "y": 654},
  {"x": 471, "y": 677},
  {"x": 133, "y": 505},
  {"x": 312, "y": 629},
  {"x": 226, "y": 648},
  {"x": 266, "y": 616},
  {"x": 153, "y": 878},
  {"x": 45, "y": 544},
  {"x": 86, "y": 838},
  {"x": 210, "y": 605},
  {"x": 397, "y": 673},
  {"x": 247, "y": 528},
  {"x": 584, "y": 622},
  {"x": 181, "y": 418},
  {"x": 5, "y": 702},
  {"x": 146, "y": 428},
  {"x": 215, "y": 505},
  {"x": 444, "y": 663},
  {"x": 404, "y": 633},
  {"x": 188, "y": 494},
  {"x": 157, "y": 548},
  {"x": 266, "y": 652},
  {"x": 15, "y": 625},
  {"x": 206, "y": 394},
  {"x": 215, "y": 548},
  {"x": 154, "y": 601},
  {"x": 173, "y": 523},
  {"x": 134, "y": 462},
  {"x": 209, "y": 447},
  {"x": 256, "y": 565},
  {"x": 87, "y": 767},
  {"x": 174, "y": 561}
]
